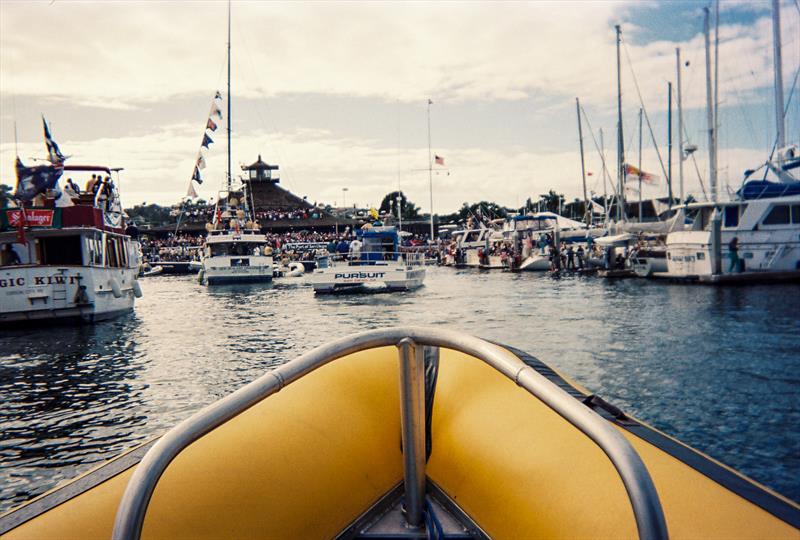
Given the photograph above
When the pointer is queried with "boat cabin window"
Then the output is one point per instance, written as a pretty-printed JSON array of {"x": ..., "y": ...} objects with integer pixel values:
[
  {"x": 377, "y": 248},
  {"x": 93, "y": 246},
  {"x": 13, "y": 254},
  {"x": 779, "y": 215},
  {"x": 61, "y": 250},
  {"x": 731, "y": 216},
  {"x": 116, "y": 256},
  {"x": 796, "y": 214},
  {"x": 239, "y": 249}
]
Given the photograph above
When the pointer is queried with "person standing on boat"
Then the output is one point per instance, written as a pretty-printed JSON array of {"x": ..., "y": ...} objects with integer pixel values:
[
  {"x": 342, "y": 248},
  {"x": 570, "y": 258},
  {"x": 733, "y": 253},
  {"x": 91, "y": 183},
  {"x": 355, "y": 250},
  {"x": 580, "y": 253}
]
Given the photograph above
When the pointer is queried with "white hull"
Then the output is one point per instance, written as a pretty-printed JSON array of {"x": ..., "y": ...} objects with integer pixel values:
[
  {"x": 85, "y": 293},
  {"x": 768, "y": 235},
  {"x": 535, "y": 263},
  {"x": 389, "y": 275},
  {"x": 239, "y": 269},
  {"x": 690, "y": 253}
]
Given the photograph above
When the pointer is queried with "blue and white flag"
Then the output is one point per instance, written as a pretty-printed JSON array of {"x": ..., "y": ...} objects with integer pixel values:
[
  {"x": 206, "y": 141},
  {"x": 34, "y": 180},
  {"x": 196, "y": 176},
  {"x": 54, "y": 154}
]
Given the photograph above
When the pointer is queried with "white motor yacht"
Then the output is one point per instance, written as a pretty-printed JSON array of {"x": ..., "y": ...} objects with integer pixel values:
[
  {"x": 71, "y": 263},
  {"x": 767, "y": 234},
  {"x": 376, "y": 264},
  {"x": 236, "y": 256}
]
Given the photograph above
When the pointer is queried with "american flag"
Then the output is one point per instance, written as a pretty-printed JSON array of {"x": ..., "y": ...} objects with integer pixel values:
[{"x": 439, "y": 160}]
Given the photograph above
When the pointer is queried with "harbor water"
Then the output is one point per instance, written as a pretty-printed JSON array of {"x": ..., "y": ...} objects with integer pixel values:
[{"x": 716, "y": 367}]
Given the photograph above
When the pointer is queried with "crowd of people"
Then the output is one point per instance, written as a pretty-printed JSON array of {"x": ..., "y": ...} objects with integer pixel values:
[
  {"x": 288, "y": 214},
  {"x": 178, "y": 247},
  {"x": 296, "y": 244}
]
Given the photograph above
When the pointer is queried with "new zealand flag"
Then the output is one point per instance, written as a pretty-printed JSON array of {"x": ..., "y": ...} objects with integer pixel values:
[{"x": 34, "y": 180}]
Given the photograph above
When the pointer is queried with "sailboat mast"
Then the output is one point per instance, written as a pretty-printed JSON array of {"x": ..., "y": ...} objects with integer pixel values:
[
  {"x": 640, "y": 165},
  {"x": 776, "y": 45},
  {"x": 669, "y": 145},
  {"x": 716, "y": 99},
  {"x": 229, "y": 96},
  {"x": 680, "y": 128},
  {"x": 587, "y": 213},
  {"x": 620, "y": 139},
  {"x": 712, "y": 158},
  {"x": 605, "y": 179}
]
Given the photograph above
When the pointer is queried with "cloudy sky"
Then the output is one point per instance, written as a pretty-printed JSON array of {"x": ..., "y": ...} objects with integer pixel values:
[{"x": 336, "y": 93}]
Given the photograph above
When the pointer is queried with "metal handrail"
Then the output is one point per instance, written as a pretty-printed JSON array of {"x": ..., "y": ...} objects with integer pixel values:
[
  {"x": 409, "y": 257},
  {"x": 642, "y": 493}
]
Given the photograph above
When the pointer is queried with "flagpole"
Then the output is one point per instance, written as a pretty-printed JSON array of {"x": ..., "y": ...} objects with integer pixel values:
[{"x": 430, "y": 165}]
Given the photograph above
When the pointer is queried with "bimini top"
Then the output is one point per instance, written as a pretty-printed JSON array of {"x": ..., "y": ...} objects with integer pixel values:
[{"x": 764, "y": 189}]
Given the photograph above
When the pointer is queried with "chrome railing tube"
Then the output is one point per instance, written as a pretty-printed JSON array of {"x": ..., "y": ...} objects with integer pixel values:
[
  {"x": 412, "y": 422},
  {"x": 635, "y": 477}
]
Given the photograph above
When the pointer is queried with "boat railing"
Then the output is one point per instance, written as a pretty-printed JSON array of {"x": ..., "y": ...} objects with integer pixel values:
[
  {"x": 366, "y": 258},
  {"x": 411, "y": 343}
]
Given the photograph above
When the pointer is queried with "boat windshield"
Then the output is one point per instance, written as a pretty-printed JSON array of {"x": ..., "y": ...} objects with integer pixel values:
[{"x": 223, "y": 249}]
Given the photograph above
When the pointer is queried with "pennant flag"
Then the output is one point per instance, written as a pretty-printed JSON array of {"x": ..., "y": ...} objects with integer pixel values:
[
  {"x": 211, "y": 125},
  {"x": 206, "y": 140},
  {"x": 215, "y": 110},
  {"x": 191, "y": 193},
  {"x": 201, "y": 162},
  {"x": 54, "y": 154},
  {"x": 34, "y": 180},
  {"x": 217, "y": 95},
  {"x": 634, "y": 174},
  {"x": 439, "y": 160},
  {"x": 196, "y": 176}
]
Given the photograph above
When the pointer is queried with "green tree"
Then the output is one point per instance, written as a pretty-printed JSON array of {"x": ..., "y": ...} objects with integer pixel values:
[
  {"x": 551, "y": 201},
  {"x": 151, "y": 215},
  {"x": 408, "y": 209}
]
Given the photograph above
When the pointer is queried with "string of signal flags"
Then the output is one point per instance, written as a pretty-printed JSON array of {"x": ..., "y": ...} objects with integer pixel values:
[{"x": 200, "y": 161}]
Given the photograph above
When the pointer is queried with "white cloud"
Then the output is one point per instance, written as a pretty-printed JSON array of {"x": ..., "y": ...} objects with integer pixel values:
[{"x": 125, "y": 55}]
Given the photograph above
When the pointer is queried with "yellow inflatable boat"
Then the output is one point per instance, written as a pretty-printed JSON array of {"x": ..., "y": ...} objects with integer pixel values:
[{"x": 409, "y": 433}]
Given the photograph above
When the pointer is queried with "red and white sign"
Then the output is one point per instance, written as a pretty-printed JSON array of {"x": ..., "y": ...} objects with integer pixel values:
[{"x": 33, "y": 218}]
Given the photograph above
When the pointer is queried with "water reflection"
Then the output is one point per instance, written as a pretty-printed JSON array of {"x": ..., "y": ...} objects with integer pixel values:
[{"x": 715, "y": 367}]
